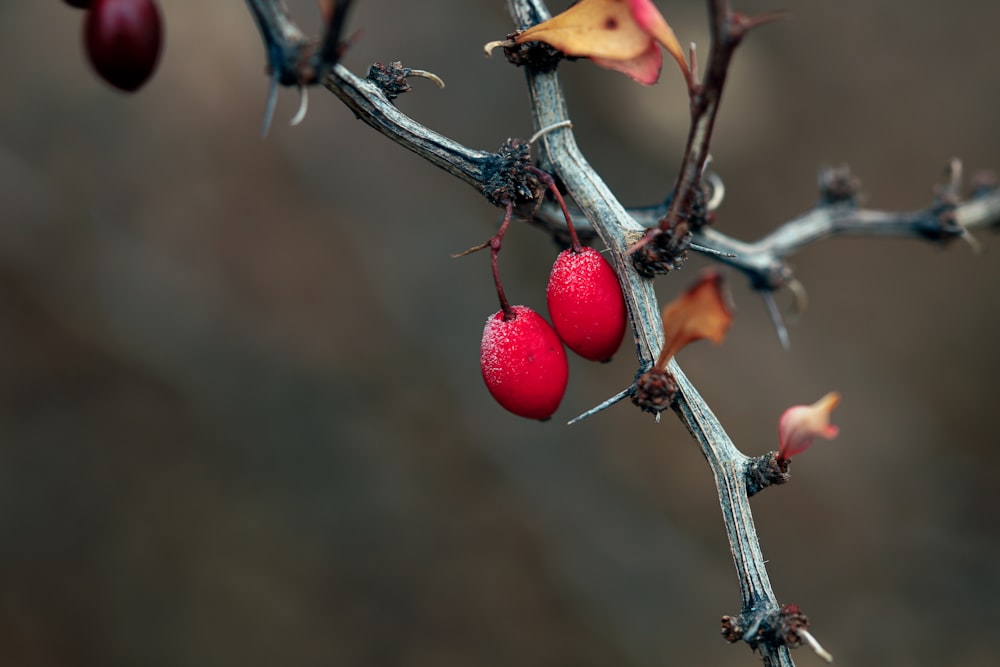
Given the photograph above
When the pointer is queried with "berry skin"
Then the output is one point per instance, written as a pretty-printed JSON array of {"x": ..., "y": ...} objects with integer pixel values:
[
  {"x": 586, "y": 304},
  {"x": 524, "y": 363},
  {"x": 122, "y": 39}
]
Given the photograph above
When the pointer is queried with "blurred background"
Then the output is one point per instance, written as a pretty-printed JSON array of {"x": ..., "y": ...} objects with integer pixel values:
[{"x": 241, "y": 415}]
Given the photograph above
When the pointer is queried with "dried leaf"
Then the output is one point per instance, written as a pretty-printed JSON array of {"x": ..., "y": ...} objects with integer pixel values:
[
  {"x": 701, "y": 312},
  {"x": 800, "y": 424},
  {"x": 651, "y": 20},
  {"x": 592, "y": 28},
  {"x": 616, "y": 34},
  {"x": 645, "y": 68}
]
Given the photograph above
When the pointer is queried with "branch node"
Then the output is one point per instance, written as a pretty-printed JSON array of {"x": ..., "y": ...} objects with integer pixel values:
[
  {"x": 660, "y": 251},
  {"x": 654, "y": 391},
  {"x": 772, "y": 628},
  {"x": 838, "y": 186},
  {"x": 507, "y": 178},
  {"x": 391, "y": 78},
  {"x": 537, "y": 56},
  {"x": 764, "y": 471}
]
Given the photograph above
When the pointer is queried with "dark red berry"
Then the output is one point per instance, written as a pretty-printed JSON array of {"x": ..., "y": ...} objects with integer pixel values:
[
  {"x": 122, "y": 39},
  {"x": 79, "y": 4},
  {"x": 524, "y": 363},
  {"x": 586, "y": 304}
]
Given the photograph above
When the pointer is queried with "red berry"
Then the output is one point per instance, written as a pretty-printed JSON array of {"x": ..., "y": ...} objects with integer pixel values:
[
  {"x": 122, "y": 38},
  {"x": 586, "y": 304},
  {"x": 524, "y": 363}
]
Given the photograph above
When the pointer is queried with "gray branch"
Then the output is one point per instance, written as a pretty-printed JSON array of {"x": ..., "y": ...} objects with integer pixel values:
[
  {"x": 369, "y": 102},
  {"x": 763, "y": 261}
]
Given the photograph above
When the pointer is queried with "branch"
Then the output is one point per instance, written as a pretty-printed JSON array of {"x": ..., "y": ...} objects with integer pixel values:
[
  {"x": 619, "y": 230},
  {"x": 665, "y": 246},
  {"x": 764, "y": 262},
  {"x": 372, "y": 106}
]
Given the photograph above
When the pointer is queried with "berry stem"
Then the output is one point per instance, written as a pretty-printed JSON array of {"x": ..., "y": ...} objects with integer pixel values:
[
  {"x": 495, "y": 243},
  {"x": 550, "y": 183}
]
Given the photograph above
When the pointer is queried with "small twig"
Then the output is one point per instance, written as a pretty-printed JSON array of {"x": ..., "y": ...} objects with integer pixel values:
[{"x": 728, "y": 29}]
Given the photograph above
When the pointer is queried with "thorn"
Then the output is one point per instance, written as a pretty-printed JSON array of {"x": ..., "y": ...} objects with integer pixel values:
[
  {"x": 711, "y": 251},
  {"x": 814, "y": 645},
  {"x": 501, "y": 43},
  {"x": 798, "y": 291},
  {"x": 551, "y": 128},
  {"x": 954, "y": 173},
  {"x": 624, "y": 393},
  {"x": 300, "y": 115},
  {"x": 973, "y": 242},
  {"x": 775, "y": 313},
  {"x": 753, "y": 22},
  {"x": 272, "y": 101},
  {"x": 718, "y": 190},
  {"x": 475, "y": 248},
  {"x": 424, "y": 74},
  {"x": 693, "y": 57}
]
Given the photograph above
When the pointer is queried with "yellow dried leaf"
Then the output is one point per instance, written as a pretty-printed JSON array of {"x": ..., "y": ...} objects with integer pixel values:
[{"x": 592, "y": 29}]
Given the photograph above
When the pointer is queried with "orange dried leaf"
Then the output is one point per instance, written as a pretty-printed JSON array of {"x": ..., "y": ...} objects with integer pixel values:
[
  {"x": 800, "y": 424},
  {"x": 592, "y": 29},
  {"x": 701, "y": 312},
  {"x": 616, "y": 34}
]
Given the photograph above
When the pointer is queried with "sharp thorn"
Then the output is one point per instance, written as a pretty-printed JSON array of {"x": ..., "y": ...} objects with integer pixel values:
[
  {"x": 272, "y": 101},
  {"x": 775, "y": 313},
  {"x": 603, "y": 406},
  {"x": 300, "y": 115},
  {"x": 711, "y": 251}
]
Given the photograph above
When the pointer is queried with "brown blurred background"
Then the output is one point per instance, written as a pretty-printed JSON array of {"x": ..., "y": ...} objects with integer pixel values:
[{"x": 241, "y": 417}]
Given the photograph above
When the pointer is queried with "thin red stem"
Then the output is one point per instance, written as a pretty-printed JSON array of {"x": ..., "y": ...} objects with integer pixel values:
[
  {"x": 495, "y": 243},
  {"x": 550, "y": 183}
]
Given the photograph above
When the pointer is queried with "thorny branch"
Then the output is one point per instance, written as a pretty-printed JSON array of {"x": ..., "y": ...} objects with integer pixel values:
[
  {"x": 762, "y": 623},
  {"x": 617, "y": 230}
]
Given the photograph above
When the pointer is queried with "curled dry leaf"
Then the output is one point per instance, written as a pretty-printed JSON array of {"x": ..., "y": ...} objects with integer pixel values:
[
  {"x": 800, "y": 424},
  {"x": 703, "y": 311},
  {"x": 616, "y": 34}
]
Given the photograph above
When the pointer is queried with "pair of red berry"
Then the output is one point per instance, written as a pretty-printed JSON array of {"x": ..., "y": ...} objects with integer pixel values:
[
  {"x": 522, "y": 358},
  {"x": 122, "y": 39}
]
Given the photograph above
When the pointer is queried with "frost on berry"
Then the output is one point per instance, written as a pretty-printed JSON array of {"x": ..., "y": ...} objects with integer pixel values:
[
  {"x": 523, "y": 363},
  {"x": 799, "y": 425},
  {"x": 586, "y": 304}
]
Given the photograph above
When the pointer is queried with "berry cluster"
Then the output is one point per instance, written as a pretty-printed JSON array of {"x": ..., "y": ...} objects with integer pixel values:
[
  {"x": 122, "y": 39},
  {"x": 522, "y": 358}
]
